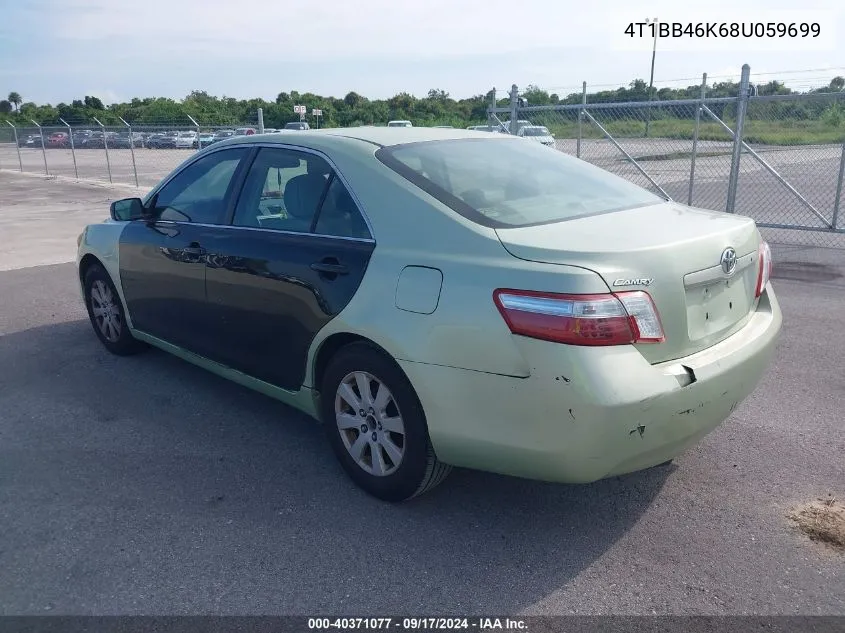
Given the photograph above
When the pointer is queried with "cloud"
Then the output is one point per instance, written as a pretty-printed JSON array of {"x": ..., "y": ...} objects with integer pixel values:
[{"x": 378, "y": 48}]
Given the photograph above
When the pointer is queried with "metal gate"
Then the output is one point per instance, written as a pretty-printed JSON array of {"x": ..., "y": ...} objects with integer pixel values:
[{"x": 779, "y": 159}]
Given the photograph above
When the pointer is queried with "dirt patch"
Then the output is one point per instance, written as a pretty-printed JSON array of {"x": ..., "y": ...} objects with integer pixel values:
[
  {"x": 680, "y": 155},
  {"x": 823, "y": 521}
]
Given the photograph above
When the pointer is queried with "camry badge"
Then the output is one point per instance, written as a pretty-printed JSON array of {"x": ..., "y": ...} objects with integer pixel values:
[{"x": 632, "y": 282}]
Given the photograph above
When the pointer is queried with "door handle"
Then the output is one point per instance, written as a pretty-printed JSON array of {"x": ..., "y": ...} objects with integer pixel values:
[{"x": 330, "y": 268}]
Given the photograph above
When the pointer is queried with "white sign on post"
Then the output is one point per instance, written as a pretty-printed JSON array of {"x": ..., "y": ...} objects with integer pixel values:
[
  {"x": 299, "y": 109},
  {"x": 317, "y": 112}
]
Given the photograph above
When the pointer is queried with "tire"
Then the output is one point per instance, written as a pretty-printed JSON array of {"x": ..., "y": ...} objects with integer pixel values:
[
  {"x": 100, "y": 294},
  {"x": 417, "y": 469}
]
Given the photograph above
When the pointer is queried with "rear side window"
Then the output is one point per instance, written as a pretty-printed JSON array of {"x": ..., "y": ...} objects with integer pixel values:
[
  {"x": 339, "y": 216},
  {"x": 512, "y": 182},
  {"x": 283, "y": 190},
  {"x": 297, "y": 192}
]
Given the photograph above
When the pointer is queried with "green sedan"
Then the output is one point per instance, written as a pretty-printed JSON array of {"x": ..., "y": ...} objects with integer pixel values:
[{"x": 441, "y": 298}]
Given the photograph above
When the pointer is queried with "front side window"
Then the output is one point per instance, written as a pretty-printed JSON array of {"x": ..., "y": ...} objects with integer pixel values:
[
  {"x": 199, "y": 193},
  {"x": 508, "y": 183}
]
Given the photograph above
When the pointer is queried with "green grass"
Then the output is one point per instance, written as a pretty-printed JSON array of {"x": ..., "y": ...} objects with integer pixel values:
[{"x": 785, "y": 132}]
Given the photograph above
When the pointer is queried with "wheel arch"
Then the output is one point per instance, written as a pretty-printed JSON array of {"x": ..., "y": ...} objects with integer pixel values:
[
  {"x": 100, "y": 245},
  {"x": 88, "y": 260},
  {"x": 329, "y": 347}
]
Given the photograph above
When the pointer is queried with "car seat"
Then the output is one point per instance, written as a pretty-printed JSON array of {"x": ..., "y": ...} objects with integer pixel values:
[{"x": 302, "y": 195}]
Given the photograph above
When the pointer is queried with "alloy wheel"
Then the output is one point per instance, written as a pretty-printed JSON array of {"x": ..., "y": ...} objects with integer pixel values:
[
  {"x": 106, "y": 311},
  {"x": 370, "y": 423}
]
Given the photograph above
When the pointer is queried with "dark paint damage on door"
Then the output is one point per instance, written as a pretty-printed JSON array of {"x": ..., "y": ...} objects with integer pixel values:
[{"x": 270, "y": 292}]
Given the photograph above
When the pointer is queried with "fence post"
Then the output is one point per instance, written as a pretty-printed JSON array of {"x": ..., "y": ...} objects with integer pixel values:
[
  {"x": 581, "y": 118},
  {"x": 838, "y": 199},
  {"x": 72, "y": 149},
  {"x": 261, "y": 120},
  {"x": 43, "y": 148},
  {"x": 105, "y": 146},
  {"x": 514, "y": 109},
  {"x": 654, "y": 25},
  {"x": 132, "y": 149},
  {"x": 196, "y": 125},
  {"x": 17, "y": 143},
  {"x": 695, "y": 136},
  {"x": 741, "y": 105}
]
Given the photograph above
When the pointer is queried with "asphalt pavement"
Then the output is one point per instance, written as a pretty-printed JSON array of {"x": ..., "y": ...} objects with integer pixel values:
[{"x": 145, "y": 485}]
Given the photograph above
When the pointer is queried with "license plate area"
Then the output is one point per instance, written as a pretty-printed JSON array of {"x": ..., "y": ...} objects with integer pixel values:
[{"x": 719, "y": 305}]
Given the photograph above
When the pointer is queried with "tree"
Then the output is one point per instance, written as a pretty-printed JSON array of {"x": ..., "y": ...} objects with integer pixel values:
[
  {"x": 94, "y": 103},
  {"x": 352, "y": 99},
  {"x": 5, "y": 107},
  {"x": 837, "y": 83},
  {"x": 535, "y": 96},
  {"x": 16, "y": 99}
]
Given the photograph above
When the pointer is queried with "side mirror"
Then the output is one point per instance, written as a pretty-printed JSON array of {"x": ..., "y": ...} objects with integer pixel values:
[{"x": 127, "y": 209}]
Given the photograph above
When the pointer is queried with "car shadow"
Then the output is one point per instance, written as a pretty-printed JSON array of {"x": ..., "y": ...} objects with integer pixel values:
[{"x": 147, "y": 485}]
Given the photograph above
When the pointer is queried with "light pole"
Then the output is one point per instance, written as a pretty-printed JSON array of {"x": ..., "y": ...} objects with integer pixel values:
[{"x": 651, "y": 81}]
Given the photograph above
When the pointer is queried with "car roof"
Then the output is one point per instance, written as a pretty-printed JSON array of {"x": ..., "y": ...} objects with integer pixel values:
[{"x": 381, "y": 136}]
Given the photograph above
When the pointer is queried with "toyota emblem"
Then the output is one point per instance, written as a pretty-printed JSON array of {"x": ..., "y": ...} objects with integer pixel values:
[{"x": 728, "y": 261}]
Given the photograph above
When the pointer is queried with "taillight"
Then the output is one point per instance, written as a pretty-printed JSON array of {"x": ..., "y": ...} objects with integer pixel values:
[
  {"x": 603, "y": 319},
  {"x": 764, "y": 267}
]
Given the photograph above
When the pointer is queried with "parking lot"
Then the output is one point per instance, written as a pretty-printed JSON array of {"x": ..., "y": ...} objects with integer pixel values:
[{"x": 145, "y": 485}]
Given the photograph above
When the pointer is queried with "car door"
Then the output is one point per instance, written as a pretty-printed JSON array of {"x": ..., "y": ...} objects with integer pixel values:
[
  {"x": 162, "y": 262},
  {"x": 292, "y": 259}
]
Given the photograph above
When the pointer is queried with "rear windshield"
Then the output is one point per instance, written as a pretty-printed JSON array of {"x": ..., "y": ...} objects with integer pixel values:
[{"x": 510, "y": 183}]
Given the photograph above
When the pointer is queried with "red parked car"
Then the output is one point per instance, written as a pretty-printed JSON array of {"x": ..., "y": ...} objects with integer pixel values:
[{"x": 58, "y": 139}]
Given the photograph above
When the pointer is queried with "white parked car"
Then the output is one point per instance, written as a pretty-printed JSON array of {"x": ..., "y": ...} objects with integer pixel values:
[
  {"x": 486, "y": 128},
  {"x": 519, "y": 125},
  {"x": 185, "y": 140},
  {"x": 538, "y": 133},
  {"x": 399, "y": 124}
]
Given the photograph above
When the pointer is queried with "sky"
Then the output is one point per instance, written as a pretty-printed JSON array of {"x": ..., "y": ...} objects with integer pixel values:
[{"x": 55, "y": 51}]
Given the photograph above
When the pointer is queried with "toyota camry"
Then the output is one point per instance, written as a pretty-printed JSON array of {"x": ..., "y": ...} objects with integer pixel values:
[{"x": 442, "y": 298}]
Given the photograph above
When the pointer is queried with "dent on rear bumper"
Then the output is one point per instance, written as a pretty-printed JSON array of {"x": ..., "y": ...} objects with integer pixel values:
[{"x": 589, "y": 413}]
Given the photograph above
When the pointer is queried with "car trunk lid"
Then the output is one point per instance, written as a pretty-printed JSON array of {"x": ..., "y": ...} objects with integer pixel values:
[{"x": 671, "y": 251}]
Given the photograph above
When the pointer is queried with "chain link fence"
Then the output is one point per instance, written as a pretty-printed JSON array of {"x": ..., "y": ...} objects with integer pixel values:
[
  {"x": 778, "y": 158},
  {"x": 139, "y": 155}
]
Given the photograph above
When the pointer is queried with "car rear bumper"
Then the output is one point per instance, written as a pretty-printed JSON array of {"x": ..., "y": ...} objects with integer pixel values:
[{"x": 592, "y": 412}]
